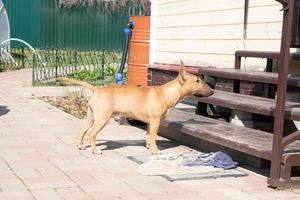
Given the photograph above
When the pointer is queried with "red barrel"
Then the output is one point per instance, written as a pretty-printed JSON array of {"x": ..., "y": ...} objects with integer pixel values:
[{"x": 139, "y": 52}]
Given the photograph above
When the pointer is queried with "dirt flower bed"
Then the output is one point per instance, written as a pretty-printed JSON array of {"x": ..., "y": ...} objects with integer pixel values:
[{"x": 72, "y": 103}]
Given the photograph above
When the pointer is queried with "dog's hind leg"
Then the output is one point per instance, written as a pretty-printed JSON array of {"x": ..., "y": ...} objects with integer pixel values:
[
  {"x": 152, "y": 129},
  {"x": 100, "y": 120},
  {"x": 89, "y": 121}
]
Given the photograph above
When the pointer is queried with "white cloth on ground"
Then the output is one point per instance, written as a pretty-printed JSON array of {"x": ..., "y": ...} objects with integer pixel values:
[{"x": 171, "y": 164}]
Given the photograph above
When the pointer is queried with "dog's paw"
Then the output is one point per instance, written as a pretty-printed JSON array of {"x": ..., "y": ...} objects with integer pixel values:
[
  {"x": 155, "y": 151},
  {"x": 97, "y": 151},
  {"x": 147, "y": 145},
  {"x": 80, "y": 146}
]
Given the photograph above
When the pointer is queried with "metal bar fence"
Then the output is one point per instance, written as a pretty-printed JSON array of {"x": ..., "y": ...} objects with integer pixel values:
[{"x": 97, "y": 67}]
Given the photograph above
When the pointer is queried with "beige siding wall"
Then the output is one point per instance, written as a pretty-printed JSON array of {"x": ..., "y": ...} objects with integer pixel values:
[{"x": 207, "y": 33}]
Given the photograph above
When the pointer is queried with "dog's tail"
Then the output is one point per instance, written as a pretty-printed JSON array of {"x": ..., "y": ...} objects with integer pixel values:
[{"x": 77, "y": 82}]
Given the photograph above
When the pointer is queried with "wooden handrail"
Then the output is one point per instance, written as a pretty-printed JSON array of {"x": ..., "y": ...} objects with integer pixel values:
[{"x": 290, "y": 138}]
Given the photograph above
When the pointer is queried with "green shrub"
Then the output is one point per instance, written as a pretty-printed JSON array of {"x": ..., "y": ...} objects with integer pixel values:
[
  {"x": 97, "y": 76},
  {"x": 89, "y": 76}
]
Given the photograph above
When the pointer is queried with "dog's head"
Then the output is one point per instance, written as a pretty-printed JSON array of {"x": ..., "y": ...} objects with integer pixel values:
[{"x": 192, "y": 84}]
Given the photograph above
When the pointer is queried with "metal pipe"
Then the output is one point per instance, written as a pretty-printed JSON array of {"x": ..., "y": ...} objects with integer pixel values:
[
  {"x": 27, "y": 44},
  {"x": 8, "y": 54},
  {"x": 128, "y": 33}
]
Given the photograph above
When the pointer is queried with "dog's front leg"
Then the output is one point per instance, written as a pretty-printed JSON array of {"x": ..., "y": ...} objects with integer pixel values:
[
  {"x": 152, "y": 130},
  {"x": 147, "y": 139}
]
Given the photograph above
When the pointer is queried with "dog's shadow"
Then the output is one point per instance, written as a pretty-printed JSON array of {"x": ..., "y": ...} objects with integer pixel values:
[
  {"x": 117, "y": 144},
  {"x": 162, "y": 144},
  {"x": 3, "y": 110}
]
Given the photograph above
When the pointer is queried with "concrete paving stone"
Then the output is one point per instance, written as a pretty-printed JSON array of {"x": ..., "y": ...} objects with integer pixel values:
[
  {"x": 39, "y": 146},
  {"x": 144, "y": 185},
  {"x": 4, "y": 169},
  {"x": 9, "y": 155},
  {"x": 38, "y": 141},
  {"x": 236, "y": 194},
  {"x": 80, "y": 160},
  {"x": 107, "y": 177},
  {"x": 49, "y": 171},
  {"x": 73, "y": 193},
  {"x": 26, "y": 172},
  {"x": 209, "y": 194},
  {"x": 114, "y": 191},
  {"x": 32, "y": 157},
  {"x": 256, "y": 184},
  {"x": 48, "y": 145},
  {"x": 46, "y": 194},
  {"x": 6, "y": 132},
  {"x": 74, "y": 168},
  {"x": 114, "y": 166},
  {"x": 100, "y": 196},
  {"x": 296, "y": 190},
  {"x": 24, "y": 149},
  {"x": 86, "y": 158},
  {"x": 206, "y": 188},
  {"x": 293, "y": 198},
  {"x": 84, "y": 179},
  {"x": 91, "y": 188},
  {"x": 16, "y": 195},
  {"x": 2, "y": 123},
  {"x": 28, "y": 164},
  {"x": 70, "y": 158},
  {"x": 129, "y": 195},
  {"x": 239, "y": 183},
  {"x": 62, "y": 164},
  {"x": 276, "y": 195},
  {"x": 177, "y": 196},
  {"x": 11, "y": 183},
  {"x": 49, "y": 182},
  {"x": 195, "y": 184},
  {"x": 133, "y": 150},
  {"x": 65, "y": 150}
]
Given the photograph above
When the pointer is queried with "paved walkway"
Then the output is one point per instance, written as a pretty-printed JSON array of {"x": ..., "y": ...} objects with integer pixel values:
[{"x": 38, "y": 158}]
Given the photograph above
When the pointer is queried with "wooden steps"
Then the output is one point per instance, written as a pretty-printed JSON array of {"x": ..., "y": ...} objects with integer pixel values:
[
  {"x": 246, "y": 140},
  {"x": 244, "y": 144},
  {"x": 248, "y": 75},
  {"x": 248, "y": 103},
  {"x": 235, "y": 74}
]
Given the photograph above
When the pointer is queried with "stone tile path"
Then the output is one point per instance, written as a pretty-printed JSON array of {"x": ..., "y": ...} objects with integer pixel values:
[{"x": 38, "y": 158}]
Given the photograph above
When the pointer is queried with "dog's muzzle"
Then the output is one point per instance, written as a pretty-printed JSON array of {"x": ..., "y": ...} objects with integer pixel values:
[{"x": 204, "y": 94}]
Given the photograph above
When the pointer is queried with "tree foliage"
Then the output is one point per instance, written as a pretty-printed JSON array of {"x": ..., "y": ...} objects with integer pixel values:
[{"x": 109, "y": 4}]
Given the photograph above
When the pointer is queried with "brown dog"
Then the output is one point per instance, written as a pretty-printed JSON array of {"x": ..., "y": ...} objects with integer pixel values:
[{"x": 147, "y": 104}]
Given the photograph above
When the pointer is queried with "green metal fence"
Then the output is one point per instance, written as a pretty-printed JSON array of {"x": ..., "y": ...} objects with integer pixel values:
[
  {"x": 68, "y": 41},
  {"x": 45, "y": 25},
  {"x": 24, "y": 19},
  {"x": 101, "y": 65}
]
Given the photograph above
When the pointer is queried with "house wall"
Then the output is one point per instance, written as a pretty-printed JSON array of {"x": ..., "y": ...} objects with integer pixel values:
[{"x": 207, "y": 33}]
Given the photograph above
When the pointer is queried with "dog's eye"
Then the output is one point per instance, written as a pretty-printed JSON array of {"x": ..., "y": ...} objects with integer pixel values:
[{"x": 197, "y": 80}]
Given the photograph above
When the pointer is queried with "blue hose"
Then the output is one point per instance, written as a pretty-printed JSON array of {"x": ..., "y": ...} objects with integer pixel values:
[{"x": 128, "y": 33}]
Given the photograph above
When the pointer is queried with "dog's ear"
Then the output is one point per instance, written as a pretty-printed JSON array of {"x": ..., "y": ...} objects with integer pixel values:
[{"x": 182, "y": 73}]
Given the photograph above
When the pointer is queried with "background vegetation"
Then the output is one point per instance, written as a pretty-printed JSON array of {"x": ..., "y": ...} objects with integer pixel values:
[{"x": 104, "y": 4}]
